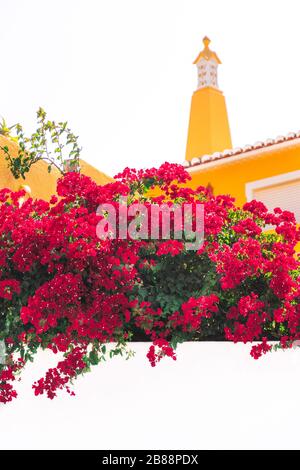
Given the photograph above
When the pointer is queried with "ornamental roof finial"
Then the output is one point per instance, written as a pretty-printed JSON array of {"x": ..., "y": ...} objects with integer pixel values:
[
  {"x": 207, "y": 53},
  {"x": 207, "y": 64},
  {"x": 206, "y": 41}
]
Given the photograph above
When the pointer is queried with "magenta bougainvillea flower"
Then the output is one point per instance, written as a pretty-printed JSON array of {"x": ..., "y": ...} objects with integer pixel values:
[{"x": 64, "y": 288}]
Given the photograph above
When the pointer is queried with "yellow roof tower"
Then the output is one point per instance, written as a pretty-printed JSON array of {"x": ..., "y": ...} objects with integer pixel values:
[{"x": 208, "y": 126}]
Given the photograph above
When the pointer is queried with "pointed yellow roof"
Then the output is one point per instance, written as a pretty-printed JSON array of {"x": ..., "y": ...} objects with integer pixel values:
[
  {"x": 89, "y": 170},
  {"x": 206, "y": 53}
]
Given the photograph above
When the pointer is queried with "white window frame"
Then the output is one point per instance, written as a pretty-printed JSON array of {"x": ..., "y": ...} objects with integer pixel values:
[{"x": 268, "y": 182}]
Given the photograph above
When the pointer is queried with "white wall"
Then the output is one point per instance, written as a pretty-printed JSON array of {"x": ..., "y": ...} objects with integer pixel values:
[{"x": 214, "y": 397}]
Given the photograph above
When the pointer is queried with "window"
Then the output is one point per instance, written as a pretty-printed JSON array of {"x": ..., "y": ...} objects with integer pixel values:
[{"x": 278, "y": 191}]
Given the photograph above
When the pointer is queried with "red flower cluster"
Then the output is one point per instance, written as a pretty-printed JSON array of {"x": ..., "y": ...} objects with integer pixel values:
[
  {"x": 171, "y": 247},
  {"x": 7, "y": 375},
  {"x": 193, "y": 311},
  {"x": 164, "y": 349},
  {"x": 8, "y": 287},
  {"x": 59, "y": 377},
  {"x": 64, "y": 288},
  {"x": 165, "y": 175}
]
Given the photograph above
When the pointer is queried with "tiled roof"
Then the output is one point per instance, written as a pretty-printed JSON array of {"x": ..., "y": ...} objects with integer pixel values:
[{"x": 240, "y": 150}]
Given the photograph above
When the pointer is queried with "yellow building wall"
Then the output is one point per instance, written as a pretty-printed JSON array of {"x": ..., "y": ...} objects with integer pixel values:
[
  {"x": 230, "y": 176},
  {"x": 41, "y": 183}
]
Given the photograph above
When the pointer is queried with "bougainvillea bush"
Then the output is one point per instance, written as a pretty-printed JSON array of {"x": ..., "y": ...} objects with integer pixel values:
[{"x": 65, "y": 289}]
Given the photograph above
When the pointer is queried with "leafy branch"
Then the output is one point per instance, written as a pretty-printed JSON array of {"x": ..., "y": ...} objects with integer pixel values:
[
  {"x": 52, "y": 142},
  {"x": 5, "y": 130}
]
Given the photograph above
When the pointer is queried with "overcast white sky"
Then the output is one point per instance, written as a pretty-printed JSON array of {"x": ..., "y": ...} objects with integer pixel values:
[{"x": 121, "y": 73}]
